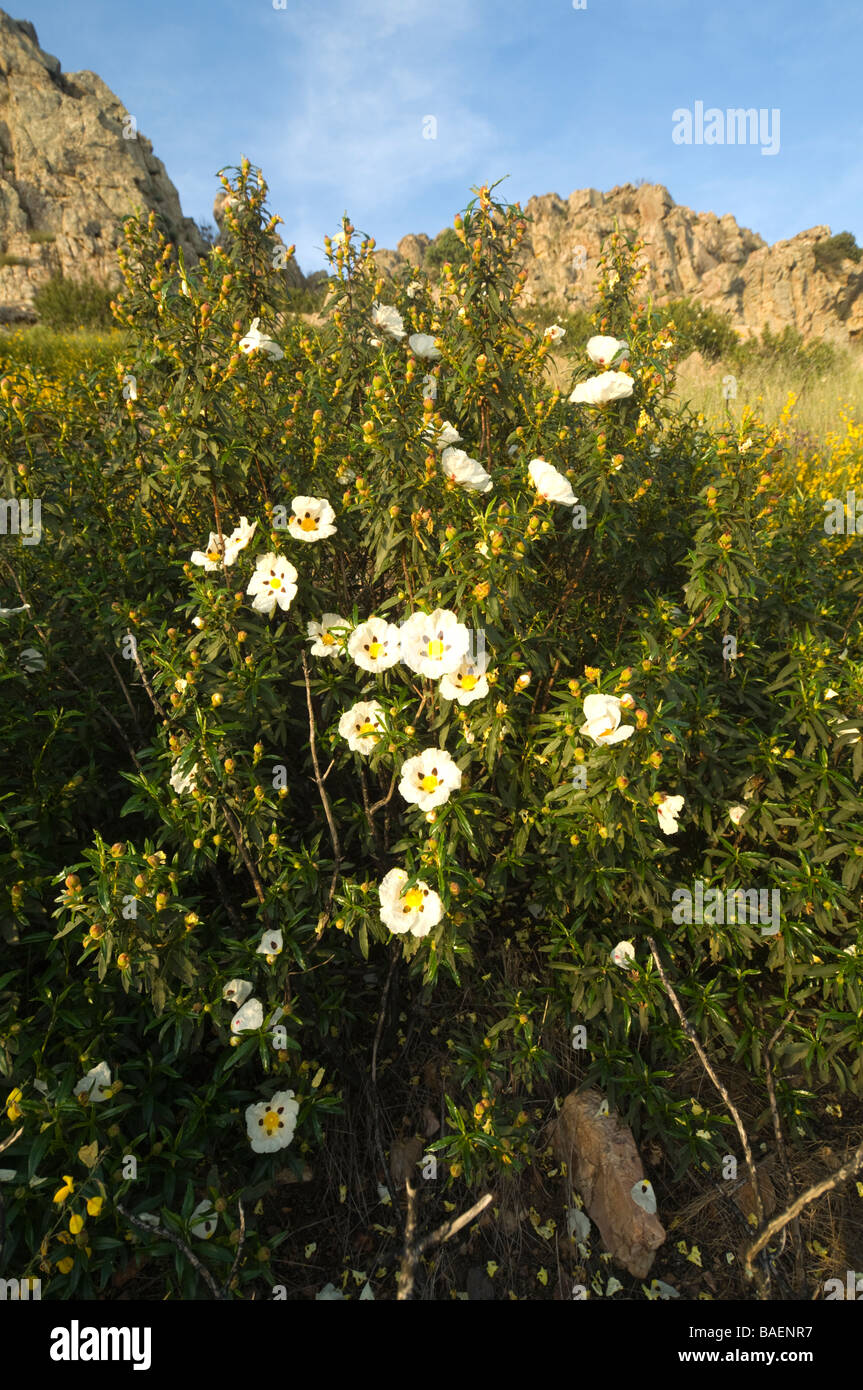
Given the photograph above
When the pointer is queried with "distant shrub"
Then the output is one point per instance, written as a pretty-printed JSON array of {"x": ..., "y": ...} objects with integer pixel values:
[
  {"x": 577, "y": 322},
  {"x": 796, "y": 355},
  {"x": 208, "y": 233},
  {"x": 40, "y": 238},
  {"x": 830, "y": 254},
  {"x": 7, "y": 259},
  {"x": 309, "y": 299},
  {"x": 65, "y": 303},
  {"x": 446, "y": 247},
  {"x": 700, "y": 329}
]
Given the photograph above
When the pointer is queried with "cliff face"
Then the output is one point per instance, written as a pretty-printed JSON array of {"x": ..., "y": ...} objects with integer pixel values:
[
  {"x": 72, "y": 167},
  {"x": 707, "y": 258}
]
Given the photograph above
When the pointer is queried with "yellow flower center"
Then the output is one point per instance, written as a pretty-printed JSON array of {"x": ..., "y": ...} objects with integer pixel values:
[
  {"x": 271, "y": 1122},
  {"x": 375, "y": 649},
  {"x": 213, "y": 555},
  {"x": 275, "y": 582},
  {"x": 435, "y": 650},
  {"x": 413, "y": 900},
  {"x": 309, "y": 523},
  {"x": 603, "y": 733},
  {"x": 468, "y": 682},
  {"x": 429, "y": 783},
  {"x": 327, "y": 639},
  {"x": 367, "y": 728}
]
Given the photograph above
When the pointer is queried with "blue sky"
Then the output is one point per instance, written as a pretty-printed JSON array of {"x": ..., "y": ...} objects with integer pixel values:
[{"x": 329, "y": 97}]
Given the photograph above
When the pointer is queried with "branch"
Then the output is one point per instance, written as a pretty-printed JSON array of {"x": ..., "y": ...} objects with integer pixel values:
[
  {"x": 414, "y": 1248},
  {"x": 240, "y": 1243},
  {"x": 325, "y": 800},
  {"x": 71, "y": 674},
  {"x": 181, "y": 1246},
  {"x": 244, "y": 853},
  {"x": 810, "y": 1195},
  {"x": 705, "y": 1062},
  {"x": 143, "y": 674}
]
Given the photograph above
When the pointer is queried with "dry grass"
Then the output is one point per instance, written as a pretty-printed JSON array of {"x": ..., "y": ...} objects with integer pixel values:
[{"x": 820, "y": 398}]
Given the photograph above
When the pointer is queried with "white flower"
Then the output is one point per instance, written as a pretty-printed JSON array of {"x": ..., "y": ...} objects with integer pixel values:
[
  {"x": 270, "y": 1124},
  {"x": 428, "y": 779},
  {"x": 255, "y": 341},
  {"x": 554, "y": 333},
  {"x": 736, "y": 814},
  {"x": 602, "y": 720},
  {"x": 668, "y": 811},
  {"x": 272, "y": 944},
  {"x": 624, "y": 956},
  {"x": 330, "y": 1294},
  {"x": 94, "y": 1086},
  {"x": 375, "y": 645},
  {"x": 599, "y": 390},
  {"x": 361, "y": 726},
  {"x": 239, "y": 539},
  {"x": 603, "y": 351},
  {"x": 429, "y": 387},
  {"x": 7, "y": 612},
  {"x": 197, "y": 621},
  {"x": 32, "y": 660},
  {"x": 248, "y": 1017},
  {"x": 830, "y": 693},
  {"x": 183, "y": 781},
  {"x": 205, "y": 1227},
  {"x": 643, "y": 1195},
  {"x": 467, "y": 472},
  {"x": 273, "y": 582},
  {"x": 659, "y": 1289},
  {"x": 237, "y": 992},
  {"x": 467, "y": 682},
  {"x": 577, "y": 1224},
  {"x": 422, "y": 344},
  {"x": 326, "y": 642},
  {"x": 312, "y": 520},
  {"x": 434, "y": 643},
  {"x": 388, "y": 320},
  {"x": 413, "y": 288},
  {"x": 416, "y": 911},
  {"x": 551, "y": 485},
  {"x": 211, "y": 558},
  {"x": 447, "y": 435},
  {"x": 8, "y": 1174}
]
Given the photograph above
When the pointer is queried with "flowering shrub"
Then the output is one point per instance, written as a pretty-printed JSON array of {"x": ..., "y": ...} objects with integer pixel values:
[{"x": 368, "y": 643}]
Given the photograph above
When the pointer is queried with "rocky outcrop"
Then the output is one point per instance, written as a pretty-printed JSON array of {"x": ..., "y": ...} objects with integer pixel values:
[
  {"x": 605, "y": 1168},
  {"x": 689, "y": 254},
  {"x": 72, "y": 166}
]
